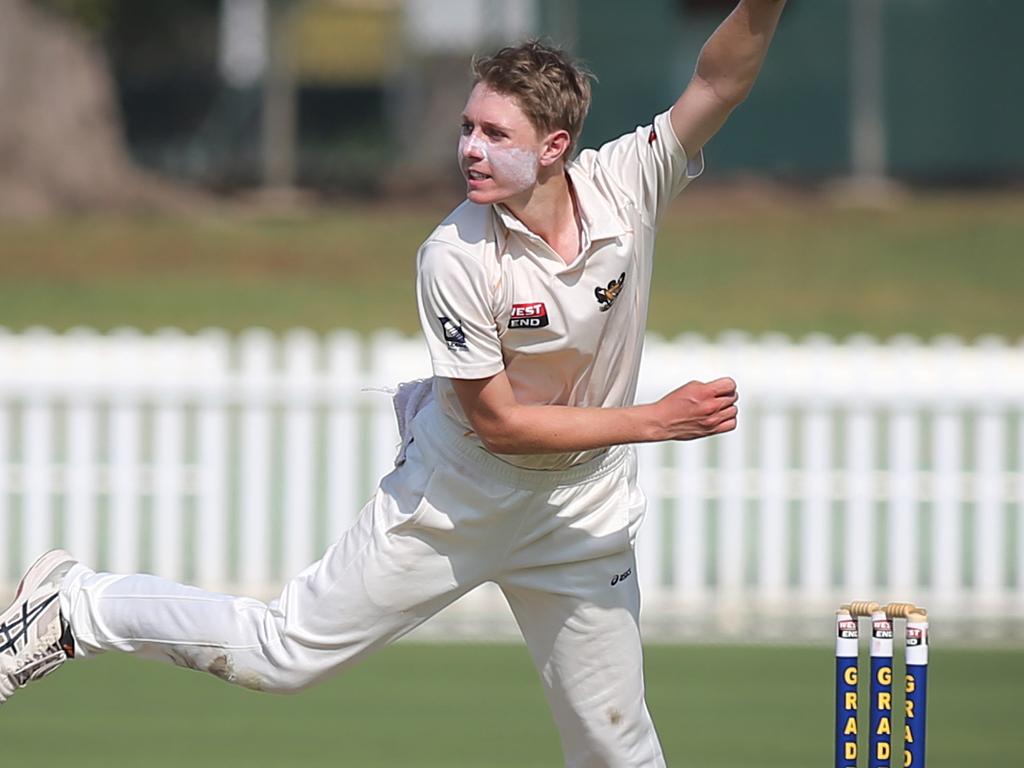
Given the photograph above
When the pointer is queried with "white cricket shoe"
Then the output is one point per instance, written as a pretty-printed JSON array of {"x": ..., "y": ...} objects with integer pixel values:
[{"x": 34, "y": 638}]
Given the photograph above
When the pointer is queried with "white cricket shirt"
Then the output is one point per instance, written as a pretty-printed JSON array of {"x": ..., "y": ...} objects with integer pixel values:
[{"x": 494, "y": 295}]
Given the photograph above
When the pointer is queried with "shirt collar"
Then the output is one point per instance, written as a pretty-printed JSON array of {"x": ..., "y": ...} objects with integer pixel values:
[
  {"x": 600, "y": 222},
  {"x": 509, "y": 220}
]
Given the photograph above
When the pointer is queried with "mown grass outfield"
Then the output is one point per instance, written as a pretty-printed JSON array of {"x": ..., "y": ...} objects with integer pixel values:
[
  {"x": 928, "y": 266},
  {"x": 477, "y": 706}
]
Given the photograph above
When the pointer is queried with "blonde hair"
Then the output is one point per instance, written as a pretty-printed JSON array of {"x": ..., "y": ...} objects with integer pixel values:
[{"x": 552, "y": 90}]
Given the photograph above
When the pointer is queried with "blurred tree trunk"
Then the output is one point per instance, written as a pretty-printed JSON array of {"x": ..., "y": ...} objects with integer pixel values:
[
  {"x": 61, "y": 142},
  {"x": 279, "y": 101}
]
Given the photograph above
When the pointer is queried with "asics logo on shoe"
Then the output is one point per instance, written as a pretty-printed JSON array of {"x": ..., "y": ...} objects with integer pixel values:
[{"x": 10, "y": 634}]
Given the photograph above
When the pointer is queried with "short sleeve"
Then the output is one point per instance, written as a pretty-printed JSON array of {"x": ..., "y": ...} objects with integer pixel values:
[
  {"x": 454, "y": 298},
  {"x": 650, "y": 165}
]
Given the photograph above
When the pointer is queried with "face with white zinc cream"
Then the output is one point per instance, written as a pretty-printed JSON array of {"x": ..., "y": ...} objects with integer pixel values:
[
  {"x": 500, "y": 151},
  {"x": 514, "y": 166}
]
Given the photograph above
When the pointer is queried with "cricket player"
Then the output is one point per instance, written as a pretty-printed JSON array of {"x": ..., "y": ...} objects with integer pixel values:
[{"x": 516, "y": 465}]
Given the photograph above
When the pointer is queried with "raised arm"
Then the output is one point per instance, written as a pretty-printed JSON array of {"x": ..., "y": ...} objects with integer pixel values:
[{"x": 726, "y": 70}]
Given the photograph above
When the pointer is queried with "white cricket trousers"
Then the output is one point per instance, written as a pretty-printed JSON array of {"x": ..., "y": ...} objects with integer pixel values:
[{"x": 559, "y": 545}]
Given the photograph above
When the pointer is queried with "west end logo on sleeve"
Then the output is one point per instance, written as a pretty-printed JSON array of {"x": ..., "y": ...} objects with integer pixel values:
[
  {"x": 454, "y": 336},
  {"x": 531, "y": 315}
]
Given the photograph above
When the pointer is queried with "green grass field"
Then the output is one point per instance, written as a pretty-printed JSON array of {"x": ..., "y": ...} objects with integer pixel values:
[
  {"x": 931, "y": 265},
  {"x": 481, "y": 705}
]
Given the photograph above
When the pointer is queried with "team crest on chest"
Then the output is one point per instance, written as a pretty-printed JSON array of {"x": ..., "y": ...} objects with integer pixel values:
[{"x": 606, "y": 296}]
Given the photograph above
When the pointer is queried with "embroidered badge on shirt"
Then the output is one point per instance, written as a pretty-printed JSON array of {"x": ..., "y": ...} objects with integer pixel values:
[
  {"x": 606, "y": 296},
  {"x": 532, "y": 315},
  {"x": 454, "y": 336}
]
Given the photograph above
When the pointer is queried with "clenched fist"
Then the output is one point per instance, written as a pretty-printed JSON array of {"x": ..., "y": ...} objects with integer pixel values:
[{"x": 698, "y": 409}]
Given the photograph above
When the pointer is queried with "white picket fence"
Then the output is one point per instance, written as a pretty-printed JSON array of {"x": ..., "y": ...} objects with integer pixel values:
[{"x": 860, "y": 469}]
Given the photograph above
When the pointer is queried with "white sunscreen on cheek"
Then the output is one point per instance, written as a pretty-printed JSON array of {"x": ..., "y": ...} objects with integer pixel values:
[
  {"x": 513, "y": 167},
  {"x": 517, "y": 167}
]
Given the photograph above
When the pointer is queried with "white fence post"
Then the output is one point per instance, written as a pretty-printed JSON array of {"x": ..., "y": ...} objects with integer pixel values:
[
  {"x": 990, "y": 528},
  {"x": 37, "y": 446},
  {"x": 773, "y": 554},
  {"x": 213, "y": 467},
  {"x": 300, "y": 353},
  {"x": 859, "y": 541},
  {"x": 816, "y": 447},
  {"x": 7, "y": 353},
  {"x": 860, "y": 469},
  {"x": 731, "y": 523},
  {"x": 82, "y": 445},
  {"x": 991, "y": 446},
  {"x": 124, "y": 457},
  {"x": 1013, "y": 378},
  {"x": 904, "y": 461},
  {"x": 1019, "y": 487},
  {"x": 732, "y": 497},
  {"x": 690, "y": 544},
  {"x": 256, "y": 350},
  {"x": 816, "y": 510},
  {"x": 169, "y": 458},
  {"x": 343, "y": 434},
  {"x": 947, "y": 504}
]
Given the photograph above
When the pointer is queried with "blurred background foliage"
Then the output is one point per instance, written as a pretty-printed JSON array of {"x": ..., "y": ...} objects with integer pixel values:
[
  {"x": 324, "y": 131},
  {"x": 367, "y": 84}
]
